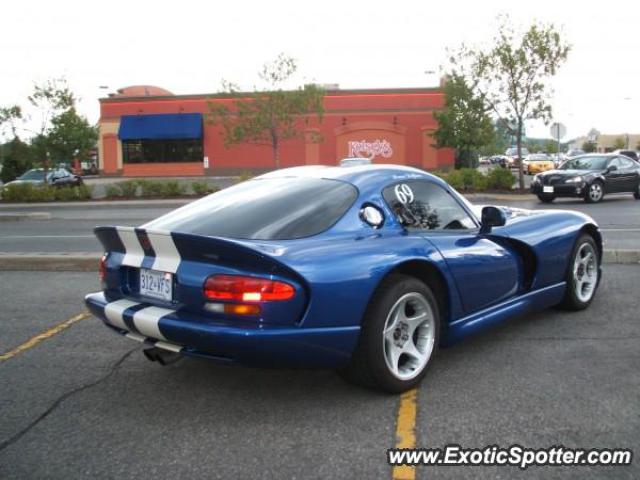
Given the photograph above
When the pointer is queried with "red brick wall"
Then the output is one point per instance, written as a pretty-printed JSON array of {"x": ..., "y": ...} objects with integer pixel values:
[{"x": 401, "y": 118}]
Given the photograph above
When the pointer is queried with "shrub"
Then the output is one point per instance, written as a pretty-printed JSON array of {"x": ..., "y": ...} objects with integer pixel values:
[
  {"x": 31, "y": 193},
  {"x": 203, "y": 188},
  {"x": 173, "y": 188},
  {"x": 244, "y": 176},
  {"x": 160, "y": 188},
  {"x": 455, "y": 179},
  {"x": 67, "y": 194},
  {"x": 129, "y": 188},
  {"x": 113, "y": 191},
  {"x": 500, "y": 179}
]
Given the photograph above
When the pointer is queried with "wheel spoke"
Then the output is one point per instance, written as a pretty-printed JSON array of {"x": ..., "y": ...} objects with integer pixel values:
[
  {"x": 411, "y": 350},
  {"x": 393, "y": 357},
  {"x": 415, "y": 321}
]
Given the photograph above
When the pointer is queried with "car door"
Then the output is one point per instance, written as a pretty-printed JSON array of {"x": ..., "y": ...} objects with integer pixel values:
[
  {"x": 614, "y": 179},
  {"x": 629, "y": 175},
  {"x": 485, "y": 271}
]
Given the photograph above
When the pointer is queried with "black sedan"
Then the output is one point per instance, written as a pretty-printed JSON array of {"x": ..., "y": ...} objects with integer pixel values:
[
  {"x": 57, "y": 177},
  {"x": 589, "y": 177}
]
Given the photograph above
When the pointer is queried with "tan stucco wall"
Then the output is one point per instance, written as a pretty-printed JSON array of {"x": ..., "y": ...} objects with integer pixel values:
[{"x": 110, "y": 127}]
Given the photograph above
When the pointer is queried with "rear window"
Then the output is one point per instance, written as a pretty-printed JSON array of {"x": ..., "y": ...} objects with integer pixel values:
[{"x": 264, "y": 209}]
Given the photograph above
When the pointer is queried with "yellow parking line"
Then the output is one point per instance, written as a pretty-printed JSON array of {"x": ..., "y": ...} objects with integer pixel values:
[
  {"x": 33, "y": 341},
  {"x": 406, "y": 432}
]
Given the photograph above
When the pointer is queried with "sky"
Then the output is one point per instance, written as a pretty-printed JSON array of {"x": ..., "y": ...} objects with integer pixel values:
[{"x": 190, "y": 47}]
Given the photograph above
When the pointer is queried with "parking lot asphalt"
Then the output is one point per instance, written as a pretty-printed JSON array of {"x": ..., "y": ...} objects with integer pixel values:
[
  {"x": 85, "y": 403},
  {"x": 70, "y": 228}
]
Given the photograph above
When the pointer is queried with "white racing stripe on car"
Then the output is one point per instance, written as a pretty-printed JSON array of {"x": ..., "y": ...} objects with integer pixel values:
[
  {"x": 167, "y": 255},
  {"x": 134, "y": 254},
  {"x": 114, "y": 310},
  {"x": 146, "y": 321}
]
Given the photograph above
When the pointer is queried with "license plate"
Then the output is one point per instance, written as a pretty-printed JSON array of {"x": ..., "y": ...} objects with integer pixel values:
[
  {"x": 547, "y": 189},
  {"x": 156, "y": 284}
]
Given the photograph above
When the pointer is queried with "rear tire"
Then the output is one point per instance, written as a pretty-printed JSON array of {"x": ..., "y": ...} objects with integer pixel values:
[
  {"x": 594, "y": 192},
  {"x": 636, "y": 194},
  {"x": 546, "y": 198},
  {"x": 583, "y": 274},
  {"x": 399, "y": 336}
]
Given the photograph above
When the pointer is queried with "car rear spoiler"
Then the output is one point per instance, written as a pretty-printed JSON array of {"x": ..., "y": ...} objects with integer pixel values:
[{"x": 165, "y": 251}]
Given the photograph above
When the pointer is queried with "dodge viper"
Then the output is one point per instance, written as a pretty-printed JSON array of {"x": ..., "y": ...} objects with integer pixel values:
[{"x": 367, "y": 269}]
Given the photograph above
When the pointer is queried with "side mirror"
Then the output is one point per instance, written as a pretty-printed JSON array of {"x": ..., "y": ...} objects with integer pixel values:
[
  {"x": 612, "y": 168},
  {"x": 492, "y": 217}
]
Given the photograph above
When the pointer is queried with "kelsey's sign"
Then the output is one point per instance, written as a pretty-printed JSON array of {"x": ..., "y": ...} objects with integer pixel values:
[{"x": 376, "y": 148}]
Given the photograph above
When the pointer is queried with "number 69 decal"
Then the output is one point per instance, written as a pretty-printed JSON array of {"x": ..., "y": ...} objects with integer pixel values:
[{"x": 404, "y": 194}]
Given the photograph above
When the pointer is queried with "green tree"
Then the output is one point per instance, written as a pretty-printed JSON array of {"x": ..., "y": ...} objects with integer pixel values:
[
  {"x": 51, "y": 99},
  {"x": 272, "y": 115},
  {"x": 71, "y": 135},
  {"x": 619, "y": 143},
  {"x": 589, "y": 147},
  {"x": 9, "y": 117},
  {"x": 551, "y": 146},
  {"x": 463, "y": 123},
  {"x": 17, "y": 159},
  {"x": 512, "y": 75}
]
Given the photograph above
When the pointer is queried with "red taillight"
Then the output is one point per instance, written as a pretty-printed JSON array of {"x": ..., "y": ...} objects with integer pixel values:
[
  {"x": 102, "y": 269},
  {"x": 247, "y": 289}
]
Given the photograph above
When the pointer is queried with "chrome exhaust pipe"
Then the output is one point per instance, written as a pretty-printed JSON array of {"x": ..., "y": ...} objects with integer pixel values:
[{"x": 163, "y": 357}]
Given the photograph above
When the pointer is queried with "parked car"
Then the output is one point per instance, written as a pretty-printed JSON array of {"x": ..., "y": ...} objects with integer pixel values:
[
  {"x": 499, "y": 160},
  {"x": 589, "y": 176},
  {"x": 512, "y": 155},
  {"x": 632, "y": 154},
  {"x": 354, "y": 161},
  {"x": 366, "y": 270},
  {"x": 574, "y": 152},
  {"x": 537, "y": 162},
  {"x": 60, "y": 177}
]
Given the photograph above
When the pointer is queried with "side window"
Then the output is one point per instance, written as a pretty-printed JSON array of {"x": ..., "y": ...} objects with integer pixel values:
[
  {"x": 615, "y": 163},
  {"x": 625, "y": 163},
  {"x": 426, "y": 206}
]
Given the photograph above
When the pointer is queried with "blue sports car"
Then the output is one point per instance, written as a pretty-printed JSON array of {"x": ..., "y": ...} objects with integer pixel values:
[{"x": 366, "y": 269}]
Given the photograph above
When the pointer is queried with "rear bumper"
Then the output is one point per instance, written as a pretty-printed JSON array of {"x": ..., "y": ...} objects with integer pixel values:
[{"x": 244, "y": 343}]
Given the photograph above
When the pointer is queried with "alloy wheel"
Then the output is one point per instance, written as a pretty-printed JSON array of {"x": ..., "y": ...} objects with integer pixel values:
[
  {"x": 409, "y": 336},
  {"x": 585, "y": 272}
]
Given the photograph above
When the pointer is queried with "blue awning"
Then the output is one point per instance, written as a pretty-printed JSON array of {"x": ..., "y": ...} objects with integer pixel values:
[{"x": 161, "y": 126}]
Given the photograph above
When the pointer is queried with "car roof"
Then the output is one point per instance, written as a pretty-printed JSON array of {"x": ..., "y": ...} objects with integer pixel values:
[{"x": 361, "y": 176}]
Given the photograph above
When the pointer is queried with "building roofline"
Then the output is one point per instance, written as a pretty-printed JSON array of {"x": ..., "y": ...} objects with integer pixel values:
[{"x": 334, "y": 93}]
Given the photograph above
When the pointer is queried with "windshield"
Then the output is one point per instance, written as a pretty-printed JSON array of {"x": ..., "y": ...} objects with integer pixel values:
[
  {"x": 32, "y": 175},
  {"x": 264, "y": 209},
  {"x": 539, "y": 157},
  {"x": 585, "y": 163},
  {"x": 514, "y": 151}
]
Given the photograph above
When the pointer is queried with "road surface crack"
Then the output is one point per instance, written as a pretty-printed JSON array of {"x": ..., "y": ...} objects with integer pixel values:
[{"x": 10, "y": 441}]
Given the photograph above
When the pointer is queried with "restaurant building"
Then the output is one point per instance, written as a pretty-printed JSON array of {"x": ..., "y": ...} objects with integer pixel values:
[{"x": 147, "y": 131}]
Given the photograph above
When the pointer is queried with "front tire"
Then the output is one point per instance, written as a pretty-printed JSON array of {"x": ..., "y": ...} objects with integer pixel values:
[
  {"x": 636, "y": 194},
  {"x": 583, "y": 274},
  {"x": 594, "y": 192},
  {"x": 399, "y": 336},
  {"x": 546, "y": 198}
]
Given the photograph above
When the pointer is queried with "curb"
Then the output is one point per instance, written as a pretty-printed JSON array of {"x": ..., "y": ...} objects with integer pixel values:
[
  {"x": 88, "y": 261},
  {"x": 154, "y": 202},
  {"x": 16, "y": 217},
  {"x": 50, "y": 262}
]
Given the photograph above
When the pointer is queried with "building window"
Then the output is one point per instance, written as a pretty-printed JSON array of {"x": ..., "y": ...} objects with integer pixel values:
[{"x": 162, "y": 151}]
